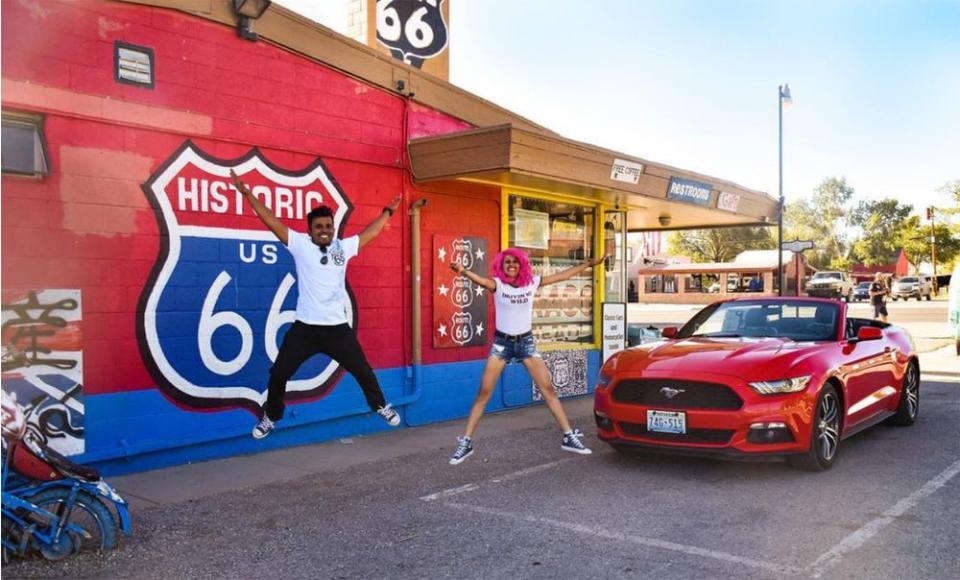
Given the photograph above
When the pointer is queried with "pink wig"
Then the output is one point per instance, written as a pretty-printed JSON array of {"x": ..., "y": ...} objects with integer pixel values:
[{"x": 524, "y": 277}]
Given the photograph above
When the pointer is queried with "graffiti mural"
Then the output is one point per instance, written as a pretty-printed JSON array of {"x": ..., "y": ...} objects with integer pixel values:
[
  {"x": 413, "y": 30},
  {"x": 223, "y": 291},
  {"x": 568, "y": 368},
  {"x": 45, "y": 326}
]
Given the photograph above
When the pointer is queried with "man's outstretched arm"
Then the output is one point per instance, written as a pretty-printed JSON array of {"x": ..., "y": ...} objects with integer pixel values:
[
  {"x": 372, "y": 230},
  {"x": 265, "y": 215}
]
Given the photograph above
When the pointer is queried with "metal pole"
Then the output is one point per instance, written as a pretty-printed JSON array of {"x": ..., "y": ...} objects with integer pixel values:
[
  {"x": 933, "y": 247},
  {"x": 780, "y": 280}
]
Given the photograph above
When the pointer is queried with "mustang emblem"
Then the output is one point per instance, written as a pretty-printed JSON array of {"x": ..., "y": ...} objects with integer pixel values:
[{"x": 670, "y": 392}]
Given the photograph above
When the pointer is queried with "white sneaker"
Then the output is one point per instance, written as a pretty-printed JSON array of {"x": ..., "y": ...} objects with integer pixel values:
[
  {"x": 263, "y": 428},
  {"x": 389, "y": 415}
]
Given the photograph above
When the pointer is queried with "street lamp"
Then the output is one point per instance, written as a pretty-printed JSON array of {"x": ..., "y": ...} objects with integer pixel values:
[{"x": 783, "y": 98}]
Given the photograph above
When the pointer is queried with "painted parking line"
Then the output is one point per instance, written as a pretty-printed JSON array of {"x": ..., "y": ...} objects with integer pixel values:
[
  {"x": 852, "y": 542},
  {"x": 499, "y": 479},
  {"x": 639, "y": 540}
]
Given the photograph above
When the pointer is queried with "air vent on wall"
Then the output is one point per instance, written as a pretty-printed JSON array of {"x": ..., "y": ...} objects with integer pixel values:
[{"x": 133, "y": 64}]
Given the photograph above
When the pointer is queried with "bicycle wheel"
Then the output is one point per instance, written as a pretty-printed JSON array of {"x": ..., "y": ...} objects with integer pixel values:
[{"x": 88, "y": 513}]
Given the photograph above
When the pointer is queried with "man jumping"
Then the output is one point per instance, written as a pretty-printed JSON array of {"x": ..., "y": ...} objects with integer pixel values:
[{"x": 321, "y": 318}]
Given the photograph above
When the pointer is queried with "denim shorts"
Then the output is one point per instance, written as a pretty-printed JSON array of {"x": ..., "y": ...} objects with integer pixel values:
[{"x": 513, "y": 348}]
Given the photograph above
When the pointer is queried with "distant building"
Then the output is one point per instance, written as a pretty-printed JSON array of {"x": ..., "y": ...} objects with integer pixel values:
[
  {"x": 898, "y": 267},
  {"x": 751, "y": 273}
]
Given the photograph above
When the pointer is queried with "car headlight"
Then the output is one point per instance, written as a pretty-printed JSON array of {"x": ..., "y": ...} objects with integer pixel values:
[
  {"x": 604, "y": 379},
  {"x": 782, "y": 386}
]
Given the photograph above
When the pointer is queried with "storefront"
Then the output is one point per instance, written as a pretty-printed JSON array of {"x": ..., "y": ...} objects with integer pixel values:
[
  {"x": 151, "y": 301},
  {"x": 752, "y": 273}
]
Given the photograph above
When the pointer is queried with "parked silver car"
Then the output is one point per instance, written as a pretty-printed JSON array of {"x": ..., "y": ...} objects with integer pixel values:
[{"x": 912, "y": 287}]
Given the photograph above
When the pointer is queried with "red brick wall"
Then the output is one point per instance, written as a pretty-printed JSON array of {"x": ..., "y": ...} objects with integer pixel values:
[{"x": 88, "y": 224}]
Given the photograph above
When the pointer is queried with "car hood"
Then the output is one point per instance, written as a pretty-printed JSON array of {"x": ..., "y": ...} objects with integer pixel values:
[{"x": 746, "y": 358}]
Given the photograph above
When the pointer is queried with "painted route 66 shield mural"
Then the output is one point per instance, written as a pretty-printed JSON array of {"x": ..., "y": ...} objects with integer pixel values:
[
  {"x": 459, "y": 305},
  {"x": 223, "y": 291}
]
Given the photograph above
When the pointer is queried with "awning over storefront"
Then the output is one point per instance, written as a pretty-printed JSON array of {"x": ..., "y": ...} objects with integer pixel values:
[{"x": 657, "y": 197}]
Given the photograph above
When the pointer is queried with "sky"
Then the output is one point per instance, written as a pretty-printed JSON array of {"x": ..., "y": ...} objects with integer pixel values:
[{"x": 693, "y": 83}]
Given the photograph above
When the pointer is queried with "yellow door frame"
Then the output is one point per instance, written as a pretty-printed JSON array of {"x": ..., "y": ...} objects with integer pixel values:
[{"x": 598, "y": 272}]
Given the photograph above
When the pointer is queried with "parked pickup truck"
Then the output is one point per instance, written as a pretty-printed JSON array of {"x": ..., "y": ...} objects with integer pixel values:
[
  {"x": 912, "y": 287},
  {"x": 830, "y": 285}
]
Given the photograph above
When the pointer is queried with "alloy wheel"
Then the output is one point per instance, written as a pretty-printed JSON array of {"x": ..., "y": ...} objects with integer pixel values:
[
  {"x": 911, "y": 389},
  {"x": 828, "y": 426}
]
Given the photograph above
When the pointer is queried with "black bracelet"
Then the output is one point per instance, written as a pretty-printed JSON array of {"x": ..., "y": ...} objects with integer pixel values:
[{"x": 388, "y": 210}]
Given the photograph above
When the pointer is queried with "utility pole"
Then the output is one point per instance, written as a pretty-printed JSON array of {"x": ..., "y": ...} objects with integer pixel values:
[{"x": 931, "y": 215}]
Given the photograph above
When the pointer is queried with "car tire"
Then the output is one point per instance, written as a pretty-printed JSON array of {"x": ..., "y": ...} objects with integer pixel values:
[
  {"x": 909, "y": 405},
  {"x": 824, "y": 433}
]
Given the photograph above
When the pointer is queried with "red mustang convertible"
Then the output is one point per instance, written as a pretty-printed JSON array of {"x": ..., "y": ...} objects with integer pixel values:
[{"x": 760, "y": 378}]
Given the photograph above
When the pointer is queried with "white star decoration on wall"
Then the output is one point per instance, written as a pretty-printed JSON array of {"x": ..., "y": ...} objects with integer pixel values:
[
  {"x": 443, "y": 289},
  {"x": 480, "y": 329},
  {"x": 479, "y": 254},
  {"x": 479, "y": 290},
  {"x": 443, "y": 329},
  {"x": 442, "y": 254}
]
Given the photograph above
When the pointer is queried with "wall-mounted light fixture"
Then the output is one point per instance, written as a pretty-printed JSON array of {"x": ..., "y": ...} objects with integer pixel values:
[
  {"x": 247, "y": 10},
  {"x": 664, "y": 219}
]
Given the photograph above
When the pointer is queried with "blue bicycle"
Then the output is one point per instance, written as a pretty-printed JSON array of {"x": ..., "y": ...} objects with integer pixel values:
[{"x": 51, "y": 505}]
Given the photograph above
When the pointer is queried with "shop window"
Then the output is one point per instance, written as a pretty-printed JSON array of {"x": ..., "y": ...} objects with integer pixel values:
[
  {"x": 745, "y": 282},
  {"x": 660, "y": 284},
  {"x": 24, "y": 149},
  {"x": 613, "y": 248},
  {"x": 556, "y": 236},
  {"x": 653, "y": 284},
  {"x": 705, "y": 283}
]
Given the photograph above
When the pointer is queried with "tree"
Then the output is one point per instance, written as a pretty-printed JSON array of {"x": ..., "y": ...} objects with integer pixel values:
[
  {"x": 914, "y": 238},
  {"x": 880, "y": 221},
  {"x": 719, "y": 244},
  {"x": 823, "y": 218},
  {"x": 952, "y": 188}
]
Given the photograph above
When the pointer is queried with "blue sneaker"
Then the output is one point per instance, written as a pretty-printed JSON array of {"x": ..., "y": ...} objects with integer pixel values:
[
  {"x": 571, "y": 442},
  {"x": 464, "y": 450}
]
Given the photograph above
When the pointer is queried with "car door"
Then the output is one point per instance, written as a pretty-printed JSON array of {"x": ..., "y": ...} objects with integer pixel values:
[{"x": 867, "y": 371}]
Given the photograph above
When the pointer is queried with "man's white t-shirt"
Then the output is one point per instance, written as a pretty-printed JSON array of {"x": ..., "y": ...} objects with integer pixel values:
[
  {"x": 515, "y": 306},
  {"x": 323, "y": 296}
]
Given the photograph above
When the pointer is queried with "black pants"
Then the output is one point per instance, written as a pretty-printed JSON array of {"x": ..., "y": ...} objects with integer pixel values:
[{"x": 305, "y": 340}]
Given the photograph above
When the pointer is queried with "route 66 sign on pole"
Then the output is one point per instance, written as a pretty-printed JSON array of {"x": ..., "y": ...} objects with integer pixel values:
[
  {"x": 223, "y": 290},
  {"x": 459, "y": 305}
]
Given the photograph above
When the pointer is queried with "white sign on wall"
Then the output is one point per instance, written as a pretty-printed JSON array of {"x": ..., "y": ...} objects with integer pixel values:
[
  {"x": 626, "y": 171},
  {"x": 614, "y": 328}
]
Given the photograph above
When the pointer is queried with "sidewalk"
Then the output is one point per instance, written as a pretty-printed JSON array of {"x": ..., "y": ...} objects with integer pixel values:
[
  {"x": 194, "y": 481},
  {"x": 942, "y": 362},
  {"x": 188, "y": 482}
]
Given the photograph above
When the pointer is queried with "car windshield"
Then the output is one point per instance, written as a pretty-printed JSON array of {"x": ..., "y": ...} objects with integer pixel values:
[
  {"x": 863, "y": 285},
  {"x": 798, "y": 320},
  {"x": 828, "y": 276},
  {"x": 908, "y": 281}
]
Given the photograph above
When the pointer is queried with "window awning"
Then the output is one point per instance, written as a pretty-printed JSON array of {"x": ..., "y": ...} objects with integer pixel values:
[{"x": 654, "y": 196}]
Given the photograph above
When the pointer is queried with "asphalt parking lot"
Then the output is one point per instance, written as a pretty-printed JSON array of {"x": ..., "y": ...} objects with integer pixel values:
[
  {"x": 390, "y": 506},
  {"x": 521, "y": 508}
]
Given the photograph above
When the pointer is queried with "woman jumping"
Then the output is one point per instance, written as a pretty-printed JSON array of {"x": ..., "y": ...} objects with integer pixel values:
[{"x": 514, "y": 285}]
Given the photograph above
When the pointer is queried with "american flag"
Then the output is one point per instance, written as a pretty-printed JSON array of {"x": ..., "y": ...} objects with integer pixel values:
[{"x": 651, "y": 243}]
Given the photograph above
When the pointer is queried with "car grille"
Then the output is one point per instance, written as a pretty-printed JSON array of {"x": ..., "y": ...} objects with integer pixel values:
[
  {"x": 694, "y": 395},
  {"x": 714, "y": 436}
]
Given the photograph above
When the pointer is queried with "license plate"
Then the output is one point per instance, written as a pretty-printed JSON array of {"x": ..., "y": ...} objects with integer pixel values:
[{"x": 666, "y": 421}]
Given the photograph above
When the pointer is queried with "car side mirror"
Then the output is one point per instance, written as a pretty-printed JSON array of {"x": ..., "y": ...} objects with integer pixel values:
[
  {"x": 869, "y": 333},
  {"x": 669, "y": 332}
]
